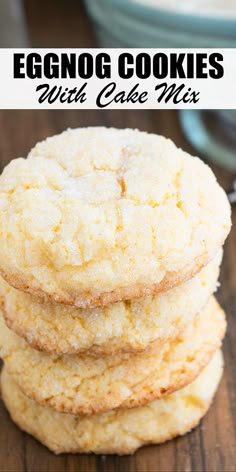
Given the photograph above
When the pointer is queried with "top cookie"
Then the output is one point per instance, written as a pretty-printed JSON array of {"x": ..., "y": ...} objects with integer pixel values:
[{"x": 98, "y": 215}]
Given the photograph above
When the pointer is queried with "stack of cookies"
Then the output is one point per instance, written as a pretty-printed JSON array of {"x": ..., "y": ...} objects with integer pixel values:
[{"x": 110, "y": 247}]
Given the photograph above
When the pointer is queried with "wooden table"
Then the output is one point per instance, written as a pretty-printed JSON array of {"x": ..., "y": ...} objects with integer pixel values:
[{"x": 211, "y": 447}]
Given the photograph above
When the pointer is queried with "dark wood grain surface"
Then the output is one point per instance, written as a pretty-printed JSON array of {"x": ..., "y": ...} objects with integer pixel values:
[{"x": 211, "y": 447}]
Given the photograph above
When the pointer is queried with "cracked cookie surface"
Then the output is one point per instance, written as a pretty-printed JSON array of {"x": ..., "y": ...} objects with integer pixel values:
[
  {"x": 84, "y": 384},
  {"x": 128, "y": 326},
  {"x": 115, "y": 432},
  {"x": 98, "y": 215}
]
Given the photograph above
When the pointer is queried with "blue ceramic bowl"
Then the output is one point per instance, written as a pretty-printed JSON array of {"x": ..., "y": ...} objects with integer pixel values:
[{"x": 125, "y": 23}]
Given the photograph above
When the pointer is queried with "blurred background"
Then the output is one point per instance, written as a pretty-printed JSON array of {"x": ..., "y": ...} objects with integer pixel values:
[{"x": 80, "y": 24}]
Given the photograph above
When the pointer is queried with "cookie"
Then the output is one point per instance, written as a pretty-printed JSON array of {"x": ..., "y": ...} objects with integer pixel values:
[
  {"x": 128, "y": 326},
  {"x": 81, "y": 384},
  {"x": 115, "y": 432},
  {"x": 96, "y": 215}
]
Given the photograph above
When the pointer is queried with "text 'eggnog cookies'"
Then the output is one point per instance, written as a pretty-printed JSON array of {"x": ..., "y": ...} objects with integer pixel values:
[
  {"x": 115, "y": 432},
  {"x": 97, "y": 215},
  {"x": 128, "y": 326},
  {"x": 85, "y": 385}
]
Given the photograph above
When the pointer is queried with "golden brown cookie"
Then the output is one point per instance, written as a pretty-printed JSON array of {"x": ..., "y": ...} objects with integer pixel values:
[
  {"x": 128, "y": 326},
  {"x": 115, "y": 432},
  {"x": 83, "y": 384},
  {"x": 96, "y": 215}
]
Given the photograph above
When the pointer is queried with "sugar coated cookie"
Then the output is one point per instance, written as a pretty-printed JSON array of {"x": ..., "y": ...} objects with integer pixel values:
[
  {"x": 96, "y": 215},
  {"x": 127, "y": 326},
  {"x": 115, "y": 432},
  {"x": 82, "y": 384}
]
